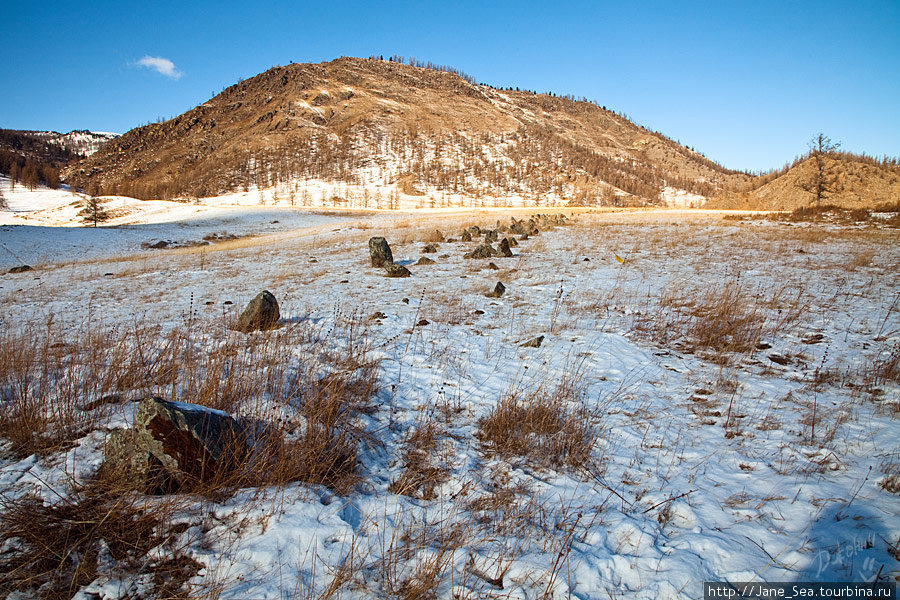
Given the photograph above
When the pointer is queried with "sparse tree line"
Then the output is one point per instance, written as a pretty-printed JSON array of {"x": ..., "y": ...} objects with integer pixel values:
[{"x": 29, "y": 161}]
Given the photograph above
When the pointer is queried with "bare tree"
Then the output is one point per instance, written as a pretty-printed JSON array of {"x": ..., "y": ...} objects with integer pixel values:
[
  {"x": 3, "y": 203},
  {"x": 822, "y": 182}
]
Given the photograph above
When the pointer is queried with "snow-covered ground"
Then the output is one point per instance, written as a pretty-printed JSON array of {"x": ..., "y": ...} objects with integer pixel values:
[{"x": 764, "y": 464}]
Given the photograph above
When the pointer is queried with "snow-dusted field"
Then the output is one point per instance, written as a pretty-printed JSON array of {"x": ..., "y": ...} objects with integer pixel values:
[{"x": 708, "y": 460}]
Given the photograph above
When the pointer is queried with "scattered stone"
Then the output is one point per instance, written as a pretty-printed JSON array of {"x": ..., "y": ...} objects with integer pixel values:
[
  {"x": 422, "y": 323},
  {"x": 490, "y": 236},
  {"x": 429, "y": 249},
  {"x": 523, "y": 237},
  {"x": 512, "y": 241},
  {"x": 436, "y": 236},
  {"x": 21, "y": 269},
  {"x": 377, "y": 316},
  {"x": 477, "y": 311},
  {"x": 108, "y": 274},
  {"x": 504, "y": 250},
  {"x": 380, "y": 252},
  {"x": 466, "y": 236},
  {"x": 474, "y": 230},
  {"x": 451, "y": 240},
  {"x": 493, "y": 267},
  {"x": 779, "y": 359},
  {"x": 174, "y": 446},
  {"x": 425, "y": 261},
  {"x": 482, "y": 251},
  {"x": 345, "y": 281},
  {"x": 209, "y": 303},
  {"x": 535, "y": 343},
  {"x": 395, "y": 270},
  {"x": 227, "y": 302},
  {"x": 314, "y": 260},
  {"x": 405, "y": 301},
  {"x": 586, "y": 260},
  {"x": 159, "y": 245},
  {"x": 498, "y": 291},
  {"x": 262, "y": 313}
]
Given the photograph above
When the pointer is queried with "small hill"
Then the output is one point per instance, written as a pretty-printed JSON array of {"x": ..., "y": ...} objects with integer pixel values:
[
  {"x": 411, "y": 128},
  {"x": 856, "y": 181}
]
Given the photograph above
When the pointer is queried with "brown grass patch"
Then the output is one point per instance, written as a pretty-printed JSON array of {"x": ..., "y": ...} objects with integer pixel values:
[{"x": 551, "y": 429}]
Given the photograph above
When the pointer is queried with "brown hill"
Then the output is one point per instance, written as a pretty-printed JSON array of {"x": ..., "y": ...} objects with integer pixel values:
[
  {"x": 368, "y": 121},
  {"x": 855, "y": 182}
]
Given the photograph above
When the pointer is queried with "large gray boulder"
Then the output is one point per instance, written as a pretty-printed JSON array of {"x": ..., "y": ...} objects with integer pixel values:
[
  {"x": 380, "y": 252},
  {"x": 175, "y": 447},
  {"x": 261, "y": 313}
]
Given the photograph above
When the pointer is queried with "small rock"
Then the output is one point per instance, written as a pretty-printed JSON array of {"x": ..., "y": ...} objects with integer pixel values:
[
  {"x": 405, "y": 301},
  {"x": 437, "y": 236},
  {"x": 535, "y": 343},
  {"x": 466, "y": 236},
  {"x": 21, "y": 269},
  {"x": 779, "y": 359},
  {"x": 523, "y": 237},
  {"x": 490, "y": 236},
  {"x": 227, "y": 302},
  {"x": 477, "y": 311},
  {"x": 504, "y": 249},
  {"x": 498, "y": 291},
  {"x": 380, "y": 252},
  {"x": 492, "y": 266},
  {"x": 261, "y": 313},
  {"x": 377, "y": 316},
  {"x": 429, "y": 249},
  {"x": 425, "y": 261},
  {"x": 159, "y": 245},
  {"x": 422, "y": 323},
  {"x": 395, "y": 270},
  {"x": 512, "y": 241},
  {"x": 586, "y": 260}
]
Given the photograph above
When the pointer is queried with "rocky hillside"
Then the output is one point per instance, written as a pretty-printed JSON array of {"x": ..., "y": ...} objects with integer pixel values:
[{"x": 412, "y": 129}]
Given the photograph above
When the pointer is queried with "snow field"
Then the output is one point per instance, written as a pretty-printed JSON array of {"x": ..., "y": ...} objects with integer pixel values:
[{"x": 707, "y": 463}]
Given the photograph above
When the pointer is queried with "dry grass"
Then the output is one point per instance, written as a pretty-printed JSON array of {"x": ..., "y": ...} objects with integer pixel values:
[
  {"x": 55, "y": 549},
  {"x": 725, "y": 318},
  {"x": 53, "y": 392},
  {"x": 553, "y": 429}
]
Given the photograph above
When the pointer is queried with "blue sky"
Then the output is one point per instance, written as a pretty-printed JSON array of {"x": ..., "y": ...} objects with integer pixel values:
[{"x": 746, "y": 83}]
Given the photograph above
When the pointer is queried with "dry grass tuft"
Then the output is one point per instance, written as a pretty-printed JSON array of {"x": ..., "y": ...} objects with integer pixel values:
[{"x": 551, "y": 429}]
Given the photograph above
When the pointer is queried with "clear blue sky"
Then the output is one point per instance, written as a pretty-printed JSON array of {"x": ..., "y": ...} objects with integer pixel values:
[{"x": 746, "y": 83}]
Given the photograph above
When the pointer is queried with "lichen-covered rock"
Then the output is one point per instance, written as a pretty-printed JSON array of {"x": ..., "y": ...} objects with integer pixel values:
[
  {"x": 482, "y": 251},
  {"x": 429, "y": 249},
  {"x": 465, "y": 237},
  {"x": 380, "y": 252},
  {"x": 175, "y": 446},
  {"x": 395, "y": 270},
  {"x": 261, "y": 313},
  {"x": 503, "y": 250},
  {"x": 490, "y": 236},
  {"x": 425, "y": 261}
]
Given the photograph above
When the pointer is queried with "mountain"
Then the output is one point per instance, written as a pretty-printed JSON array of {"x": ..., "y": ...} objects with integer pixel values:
[{"x": 407, "y": 129}]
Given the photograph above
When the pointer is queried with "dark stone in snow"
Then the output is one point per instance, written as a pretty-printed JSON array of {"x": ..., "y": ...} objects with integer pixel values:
[
  {"x": 21, "y": 269},
  {"x": 380, "y": 252},
  {"x": 498, "y": 291},
  {"x": 262, "y": 313},
  {"x": 395, "y": 270}
]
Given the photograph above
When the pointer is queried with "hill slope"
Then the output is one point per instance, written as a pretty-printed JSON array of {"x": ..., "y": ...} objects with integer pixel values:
[{"x": 367, "y": 121}]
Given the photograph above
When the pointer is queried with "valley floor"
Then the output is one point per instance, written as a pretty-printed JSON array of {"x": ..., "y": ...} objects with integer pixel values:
[{"x": 720, "y": 402}]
